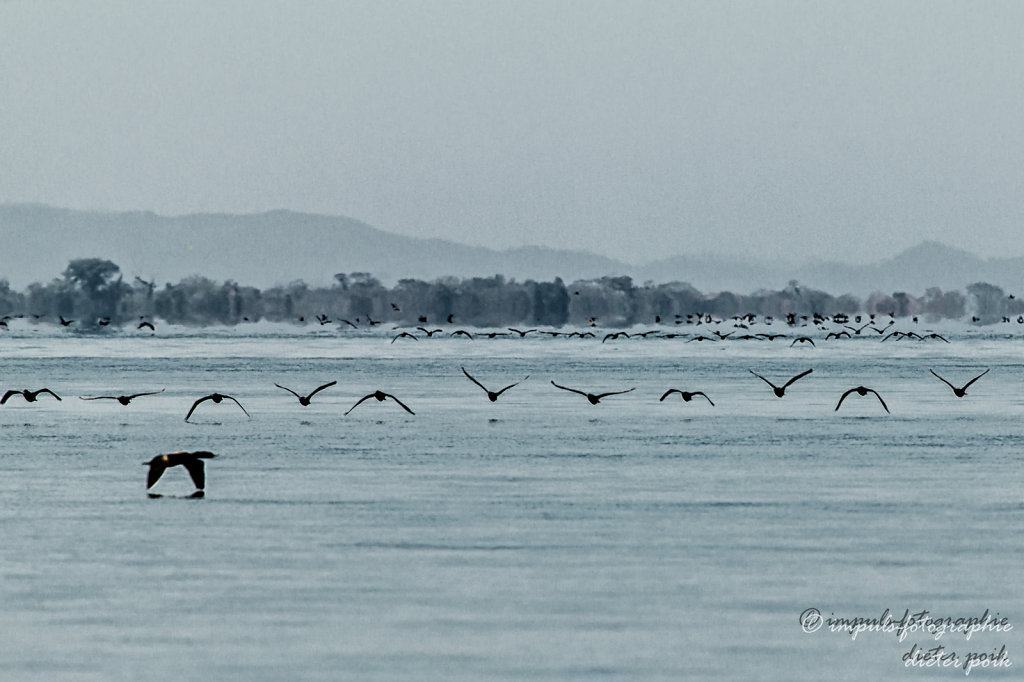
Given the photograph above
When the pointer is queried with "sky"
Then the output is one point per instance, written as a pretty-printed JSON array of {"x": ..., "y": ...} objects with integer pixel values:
[{"x": 776, "y": 130}]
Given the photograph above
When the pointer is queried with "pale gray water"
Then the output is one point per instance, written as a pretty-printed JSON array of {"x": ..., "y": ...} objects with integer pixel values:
[{"x": 536, "y": 538}]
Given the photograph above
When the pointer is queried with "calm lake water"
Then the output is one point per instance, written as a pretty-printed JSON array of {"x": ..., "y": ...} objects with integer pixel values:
[{"x": 536, "y": 538}]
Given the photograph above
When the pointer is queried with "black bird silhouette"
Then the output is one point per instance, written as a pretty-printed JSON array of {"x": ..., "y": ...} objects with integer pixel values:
[
  {"x": 960, "y": 392},
  {"x": 686, "y": 396},
  {"x": 933, "y": 335},
  {"x": 461, "y": 332},
  {"x": 491, "y": 395},
  {"x": 146, "y": 325},
  {"x": 838, "y": 335},
  {"x": 406, "y": 335},
  {"x": 304, "y": 399},
  {"x": 802, "y": 339},
  {"x": 521, "y": 332},
  {"x": 30, "y": 396},
  {"x": 862, "y": 391},
  {"x": 380, "y": 396},
  {"x": 216, "y": 398},
  {"x": 123, "y": 399},
  {"x": 192, "y": 461},
  {"x": 428, "y": 332},
  {"x": 63, "y": 322},
  {"x": 780, "y": 390},
  {"x": 594, "y": 399}
]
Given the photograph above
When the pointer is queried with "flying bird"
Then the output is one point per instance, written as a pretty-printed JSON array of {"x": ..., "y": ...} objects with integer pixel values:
[
  {"x": 594, "y": 399},
  {"x": 780, "y": 390},
  {"x": 30, "y": 396},
  {"x": 380, "y": 396},
  {"x": 304, "y": 399},
  {"x": 962, "y": 391},
  {"x": 192, "y": 461},
  {"x": 862, "y": 391},
  {"x": 802, "y": 339},
  {"x": 123, "y": 399},
  {"x": 216, "y": 398},
  {"x": 405, "y": 335},
  {"x": 492, "y": 395},
  {"x": 685, "y": 395}
]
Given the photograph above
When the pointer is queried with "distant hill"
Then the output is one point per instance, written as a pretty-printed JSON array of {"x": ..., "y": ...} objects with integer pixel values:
[{"x": 282, "y": 246}]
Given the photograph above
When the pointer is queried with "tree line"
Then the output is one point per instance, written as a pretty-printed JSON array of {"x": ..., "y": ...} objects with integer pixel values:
[{"x": 93, "y": 292}]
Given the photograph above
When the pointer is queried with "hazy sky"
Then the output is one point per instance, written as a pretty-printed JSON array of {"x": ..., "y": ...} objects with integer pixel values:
[{"x": 632, "y": 129}]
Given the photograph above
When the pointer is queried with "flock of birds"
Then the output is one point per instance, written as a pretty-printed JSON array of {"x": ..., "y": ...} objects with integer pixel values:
[{"x": 193, "y": 462}]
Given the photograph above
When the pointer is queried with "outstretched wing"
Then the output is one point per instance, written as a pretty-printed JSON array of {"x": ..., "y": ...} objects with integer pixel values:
[
  {"x": 239, "y": 404},
  {"x": 605, "y": 395},
  {"x": 670, "y": 392},
  {"x": 359, "y": 402},
  {"x": 798, "y": 376},
  {"x": 841, "y": 399},
  {"x": 762, "y": 378},
  {"x": 705, "y": 396},
  {"x": 976, "y": 378},
  {"x": 886, "y": 407},
  {"x": 195, "y": 405},
  {"x": 320, "y": 388},
  {"x": 470, "y": 377},
  {"x": 8, "y": 395},
  {"x": 133, "y": 397},
  {"x": 99, "y": 397},
  {"x": 46, "y": 390},
  {"x": 566, "y": 388},
  {"x": 404, "y": 406},
  {"x": 156, "y": 470},
  {"x": 197, "y": 471},
  {"x": 289, "y": 390},
  {"x": 512, "y": 385},
  {"x": 944, "y": 381}
]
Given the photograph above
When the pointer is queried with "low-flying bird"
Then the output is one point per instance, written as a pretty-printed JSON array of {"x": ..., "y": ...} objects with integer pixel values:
[
  {"x": 862, "y": 391},
  {"x": 594, "y": 399},
  {"x": 521, "y": 333},
  {"x": 30, "y": 396},
  {"x": 146, "y": 325},
  {"x": 461, "y": 332},
  {"x": 380, "y": 396},
  {"x": 780, "y": 390},
  {"x": 192, "y": 461},
  {"x": 428, "y": 332},
  {"x": 962, "y": 391},
  {"x": 216, "y": 398},
  {"x": 802, "y": 339},
  {"x": 304, "y": 399},
  {"x": 406, "y": 335},
  {"x": 123, "y": 399},
  {"x": 685, "y": 395},
  {"x": 491, "y": 395},
  {"x": 63, "y": 322}
]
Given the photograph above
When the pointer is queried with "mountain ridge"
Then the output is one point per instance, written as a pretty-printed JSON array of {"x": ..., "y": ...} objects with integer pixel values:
[{"x": 281, "y": 246}]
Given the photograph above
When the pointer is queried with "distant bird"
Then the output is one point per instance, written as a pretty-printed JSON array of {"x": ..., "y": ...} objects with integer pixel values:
[
  {"x": 63, "y": 322},
  {"x": 594, "y": 399},
  {"x": 685, "y": 395},
  {"x": 780, "y": 390},
  {"x": 216, "y": 398},
  {"x": 491, "y": 395},
  {"x": 405, "y": 335},
  {"x": 380, "y": 396},
  {"x": 861, "y": 391},
  {"x": 802, "y": 339},
  {"x": 350, "y": 323},
  {"x": 123, "y": 399},
  {"x": 428, "y": 332},
  {"x": 520, "y": 332},
  {"x": 304, "y": 399},
  {"x": 146, "y": 325},
  {"x": 461, "y": 332},
  {"x": 614, "y": 335},
  {"x": 960, "y": 392},
  {"x": 933, "y": 335},
  {"x": 839, "y": 335},
  {"x": 192, "y": 461},
  {"x": 30, "y": 396}
]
